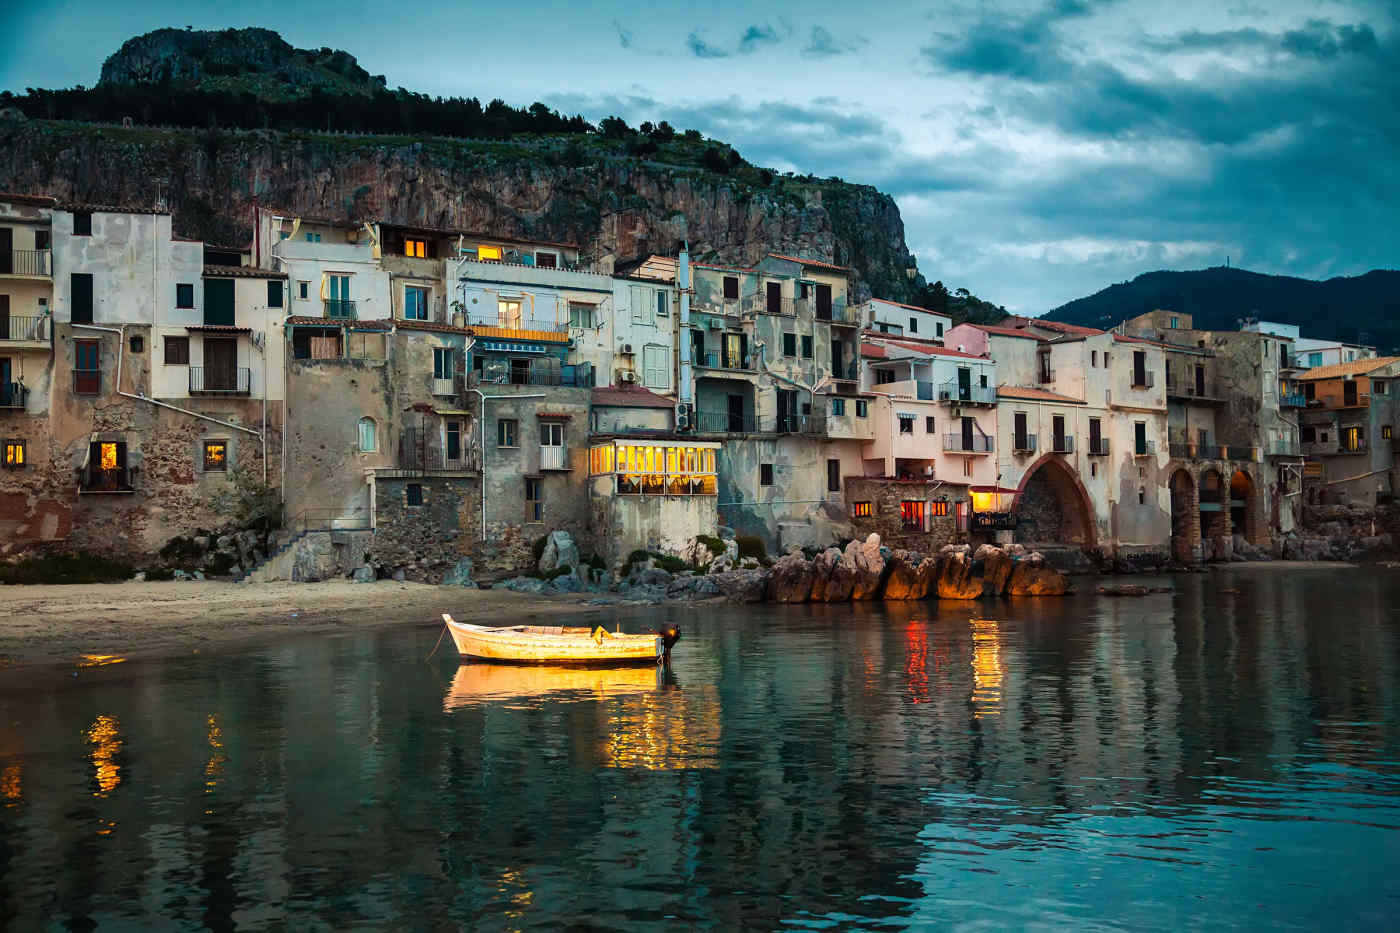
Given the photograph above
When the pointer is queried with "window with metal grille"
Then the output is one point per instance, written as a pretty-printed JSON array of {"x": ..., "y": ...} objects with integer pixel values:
[
  {"x": 16, "y": 454},
  {"x": 413, "y": 494},
  {"x": 215, "y": 456},
  {"x": 861, "y": 510},
  {"x": 911, "y": 515}
]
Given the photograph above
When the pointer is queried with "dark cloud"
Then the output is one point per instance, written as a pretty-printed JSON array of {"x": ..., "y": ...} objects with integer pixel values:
[
  {"x": 1029, "y": 48},
  {"x": 755, "y": 37},
  {"x": 624, "y": 35},
  {"x": 1318, "y": 39},
  {"x": 822, "y": 44},
  {"x": 701, "y": 49}
]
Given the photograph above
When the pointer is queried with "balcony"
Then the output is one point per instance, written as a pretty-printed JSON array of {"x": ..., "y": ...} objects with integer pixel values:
[
  {"x": 1191, "y": 390},
  {"x": 24, "y": 329},
  {"x": 1283, "y": 448},
  {"x": 554, "y": 458},
  {"x": 1098, "y": 447},
  {"x": 413, "y": 460},
  {"x": 724, "y": 361},
  {"x": 727, "y": 307},
  {"x": 340, "y": 309},
  {"x": 955, "y": 394},
  {"x": 782, "y": 307},
  {"x": 840, "y": 315},
  {"x": 1240, "y": 452},
  {"x": 1143, "y": 380},
  {"x": 1023, "y": 444},
  {"x": 814, "y": 425},
  {"x": 723, "y": 422},
  {"x": 87, "y": 381},
  {"x": 1147, "y": 448},
  {"x": 1293, "y": 400},
  {"x": 569, "y": 375},
  {"x": 33, "y": 263},
  {"x": 518, "y": 322},
  {"x": 1062, "y": 445},
  {"x": 95, "y": 479},
  {"x": 977, "y": 444},
  {"x": 1045, "y": 376},
  {"x": 205, "y": 381},
  {"x": 1352, "y": 447},
  {"x": 13, "y": 395}
]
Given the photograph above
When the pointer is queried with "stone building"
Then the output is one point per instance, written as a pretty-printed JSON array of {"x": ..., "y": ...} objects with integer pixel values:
[
  {"x": 920, "y": 514},
  {"x": 1348, "y": 429}
]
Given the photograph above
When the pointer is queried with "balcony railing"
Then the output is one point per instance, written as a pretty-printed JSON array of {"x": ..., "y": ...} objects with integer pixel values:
[
  {"x": 1098, "y": 447},
  {"x": 1062, "y": 445},
  {"x": 723, "y": 422},
  {"x": 554, "y": 458},
  {"x": 517, "y": 322},
  {"x": 974, "y": 395},
  {"x": 1293, "y": 400},
  {"x": 1023, "y": 443},
  {"x": 206, "y": 381},
  {"x": 25, "y": 327},
  {"x": 1240, "y": 452},
  {"x": 727, "y": 307},
  {"x": 840, "y": 314},
  {"x": 1188, "y": 388},
  {"x": 415, "y": 460},
  {"x": 977, "y": 444},
  {"x": 340, "y": 308},
  {"x": 1143, "y": 380},
  {"x": 787, "y": 307},
  {"x": 1351, "y": 447},
  {"x": 1145, "y": 448},
  {"x": 801, "y": 424},
  {"x": 96, "y": 479},
  {"x": 569, "y": 375},
  {"x": 723, "y": 361},
  {"x": 13, "y": 395},
  {"x": 1284, "y": 448},
  {"x": 27, "y": 262},
  {"x": 1045, "y": 376},
  {"x": 87, "y": 381}
]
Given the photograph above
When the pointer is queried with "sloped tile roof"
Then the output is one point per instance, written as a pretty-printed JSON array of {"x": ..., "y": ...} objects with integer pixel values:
[
  {"x": 638, "y": 397},
  {"x": 1353, "y": 368},
  {"x": 1036, "y": 395}
]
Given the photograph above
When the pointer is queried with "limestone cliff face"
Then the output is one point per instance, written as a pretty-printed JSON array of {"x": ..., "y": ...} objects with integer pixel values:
[{"x": 608, "y": 203}]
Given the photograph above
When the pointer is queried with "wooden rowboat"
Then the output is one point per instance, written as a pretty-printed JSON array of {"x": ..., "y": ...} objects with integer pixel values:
[{"x": 544, "y": 644}]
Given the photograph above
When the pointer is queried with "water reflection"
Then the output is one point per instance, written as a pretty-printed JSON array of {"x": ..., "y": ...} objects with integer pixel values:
[{"x": 1197, "y": 758}]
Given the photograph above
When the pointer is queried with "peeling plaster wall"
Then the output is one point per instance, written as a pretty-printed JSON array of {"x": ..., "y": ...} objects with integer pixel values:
[{"x": 623, "y": 524}]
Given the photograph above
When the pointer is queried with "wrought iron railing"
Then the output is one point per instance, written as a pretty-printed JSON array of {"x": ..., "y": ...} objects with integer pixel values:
[
  {"x": 414, "y": 459},
  {"x": 724, "y": 422},
  {"x": 357, "y": 519},
  {"x": 1098, "y": 447},
  {"x": 206, "y": 381},
  {"x": 723, "y": 361},
  {"x": 1143, "y": 380},
  {"x": 977, "y": 444},
  {"x": 1145, "y": 448},
  {"x": 1023, "y": 443},
  {"x": 112, "y": 479},
  {"x": 13, "y": 395},
  {"x": 981, "y": 395},
  {"x": 1045, "y": 376},
  {"x": 1062, "y": 445},
  {"x": 840, "y": 314},
  {"x": 340, "y": 308}
]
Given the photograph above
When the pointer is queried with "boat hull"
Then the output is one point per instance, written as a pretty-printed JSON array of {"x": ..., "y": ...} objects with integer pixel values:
[{"x": 528, "y": 644}]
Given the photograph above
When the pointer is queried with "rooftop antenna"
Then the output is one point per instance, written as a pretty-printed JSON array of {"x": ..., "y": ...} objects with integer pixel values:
[{"x": 160, "y": 198}]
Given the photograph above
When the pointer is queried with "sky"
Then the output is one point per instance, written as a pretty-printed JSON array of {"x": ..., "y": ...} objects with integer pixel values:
[{"x": 1038, "y": 151}]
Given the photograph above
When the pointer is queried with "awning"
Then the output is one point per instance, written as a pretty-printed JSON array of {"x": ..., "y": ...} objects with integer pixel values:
[
  {"x": 554, "y": 415},
  {"x": 451, "y": 411},
  {"x": 512, "y": 346},
  {"x": 217, "y": 329}
]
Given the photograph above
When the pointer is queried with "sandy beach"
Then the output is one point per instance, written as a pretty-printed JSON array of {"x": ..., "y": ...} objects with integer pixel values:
[{"x": 65, "y": 624}]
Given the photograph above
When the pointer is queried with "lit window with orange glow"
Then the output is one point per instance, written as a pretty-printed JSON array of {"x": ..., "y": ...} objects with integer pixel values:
[
  {"x": 417, "y": 249},
  {"x": 15, "y": 454},
  {"x": 215, "y": 456},
  {"x": 488, "y": 253},
  {"x": 107, "y": 456},
  {"x": 862, "y": 510}
]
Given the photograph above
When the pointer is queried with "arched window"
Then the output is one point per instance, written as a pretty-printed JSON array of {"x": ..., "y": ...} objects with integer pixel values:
[{"x": 367, "y": 438}]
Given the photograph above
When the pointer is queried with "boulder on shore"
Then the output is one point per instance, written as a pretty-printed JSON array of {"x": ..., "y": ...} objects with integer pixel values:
[
  {"x": 911, "y": 575},
  {"x": 743, "y": 586},
  {"x": 867, "y": 566},
  {"x": 832, "y": 579},
  {"x": 559, "y": 551},
  {"x": 997, "y": 564},
  {"x": 1034, "y": 577},
  {"x": 955, "y": 578},
  {"x": 790, "y": 580}
]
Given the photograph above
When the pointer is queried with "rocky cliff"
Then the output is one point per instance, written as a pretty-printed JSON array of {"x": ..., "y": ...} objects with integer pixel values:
[{"x": 588, "y": 190}]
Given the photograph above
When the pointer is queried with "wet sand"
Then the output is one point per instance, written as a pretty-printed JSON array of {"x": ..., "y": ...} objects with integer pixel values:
[{"x": 42, "y": 625}]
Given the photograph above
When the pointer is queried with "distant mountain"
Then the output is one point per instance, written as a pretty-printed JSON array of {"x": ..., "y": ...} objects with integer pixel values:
[{"x": 1360, "y": 309}]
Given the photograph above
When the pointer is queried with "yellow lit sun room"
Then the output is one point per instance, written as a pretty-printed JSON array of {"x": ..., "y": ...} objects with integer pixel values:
[{"x": 656, "y": 468}]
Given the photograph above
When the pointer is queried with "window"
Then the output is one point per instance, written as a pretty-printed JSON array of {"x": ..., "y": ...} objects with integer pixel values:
[
  {"x": 312, "y": 237},
  {"x": 1173, "y": 324},
  {"x": 789, "y": 344},
  {"x": 177, "y": 351},
  {"x": 534, "y": 502},
  {"x": 274, "y": 293},
  {"x": 806, "y": 346},
  {"x": 138, "y": 344},
  {"x": 545, "y": 260},
  {"x": 82, "y": 223},
  {"x": 16, "y": 456},
  {"x": 765, "y": 474},
  {"x": 1353, "y": 438},
  {"x": 453, "y": 431},
  {"x": 488, "y": 253},
  {"x": 442, "y": 362},
  {"x": 1309, "y": 391},
  {"x": 184, "y": 295},
  {"x": 415, "y": 303},
  {"x": 1142, "y": 490},
  {"x": 884, "y": 376},
  {"x": 643, "y": 305},
  {"x": 1140, "y": 437},
  {"x": 1385, "y": 432},
  {"x": 508, "y": 313},
  {"x": 506, "y": 429},
  {"x": 1314, "y": 359},
  {"x": 80, "y": 289},
  {"x": 303, "y": 290},
  {"x": 928, "y": 424},
  {"x": 913, "y": 325},
  {"x": 838, "y": 406},
  {"x": 731, "y": 288},
  {"x": 1309, "y": 433},
  {"x": 906, "y": 424},
  {"x": 215, "y": 456},
  {"x": 551, "y": 434},
  {"x": 938, "y": 328},
  {"x": 656, "y": 367},
  {"x": 833, "y": 475},
  {"x": 1378, "y": 387},
  {"x": 1093, "y": 358},
  {"x": 862, "y": 408},
  {"x": 417, "y": 249},
  {"x": 580, "y": 315},
  {"x": 663, "y": 306},
  {"x": 368, "y": 441},
  {"x": 413, "y": 495},
  {"x": 967, "y": 466},
  {"x": 938, "y": 509},
  {"x": 87, "y": 369},
  {"x": 911, "y": 515},
  {"x": 861, "y": 510}
]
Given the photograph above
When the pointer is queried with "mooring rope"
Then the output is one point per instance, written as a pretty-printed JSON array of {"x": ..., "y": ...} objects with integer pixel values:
[{"x": 439, "y": 642}]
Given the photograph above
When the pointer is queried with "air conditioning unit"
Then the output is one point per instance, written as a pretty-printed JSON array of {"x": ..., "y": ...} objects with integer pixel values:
[
  {"x": 627, "y": 375},
  {"x": 626, "y": 349},
  {"x": 683, "y": 416}
]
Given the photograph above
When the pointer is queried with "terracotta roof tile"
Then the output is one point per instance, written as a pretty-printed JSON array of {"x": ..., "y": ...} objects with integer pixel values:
[
  {"x": 241, "y": 272},
  {"x": 930, "y": 349},
  {"x": 42, "y": 200},
  {"x": 900, "y": 304},
  {"x": 815, "y": 263},
  {"x": 1036, "y": 395},
  {"x": 1007, "y": 331},
  {"x": 638, "y": 397},
  {"x": 1353, "y": 368}
]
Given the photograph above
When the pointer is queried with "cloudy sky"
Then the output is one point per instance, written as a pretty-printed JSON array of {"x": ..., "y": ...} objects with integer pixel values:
[{"x": 1038, "y": 151}]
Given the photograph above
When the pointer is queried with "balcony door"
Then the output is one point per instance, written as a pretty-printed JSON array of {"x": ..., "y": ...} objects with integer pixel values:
[
  {"x": 5, "y": 333},
  {"x": 967, "y": 434},
  {"x": 774, "y": 293},
  {"x": 218, "y": 302},
  {"x": 1200, "y": 380},
  {"x": 736, "y": 414},
  {"x": 1349, "y": 392},
  {"x": 1095, "y": 435},
  {"x": 824, "y": 302},
  {"x": 7, "y": 256},
  {"x": 964, "y": 383},
  {"x": 220, "y": 364},
  {"x": 551, "y": 445},
  {"x": 1057, "y": 428},
  {"x": 1019, "y": 435},
  {"x": 838, "y": 360}
]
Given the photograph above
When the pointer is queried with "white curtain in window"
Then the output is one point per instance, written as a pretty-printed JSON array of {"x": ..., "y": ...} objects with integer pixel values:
[{"x": 367, "y": 439}]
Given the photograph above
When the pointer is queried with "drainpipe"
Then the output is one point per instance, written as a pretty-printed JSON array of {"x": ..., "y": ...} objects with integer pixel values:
[
  {"x": 686, "y": 389},
  {"x": 484, "y": 397}
]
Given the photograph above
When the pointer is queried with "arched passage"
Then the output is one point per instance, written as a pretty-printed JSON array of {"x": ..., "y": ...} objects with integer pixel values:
[
  {"x": 1214, "y": 520},
  {"x": 1186, "y": 519},
  {"x": 1052, "y": 506},
  {"x": 1242, "y": 506}
]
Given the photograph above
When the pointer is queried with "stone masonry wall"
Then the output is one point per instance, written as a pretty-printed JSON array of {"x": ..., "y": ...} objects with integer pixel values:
[{"x": 885, "y": 496}]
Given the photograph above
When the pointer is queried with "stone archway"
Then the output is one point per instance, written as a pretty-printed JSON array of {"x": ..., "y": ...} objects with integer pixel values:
[
  {"x": 1244, "y": 519},
  {"x": 1213, "y": 515},
  {"x": 1053, "y": 507},
  {"x": 1186, "y": 518}
]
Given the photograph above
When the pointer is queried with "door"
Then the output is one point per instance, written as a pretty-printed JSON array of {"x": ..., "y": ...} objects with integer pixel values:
[
  {"x": 1139, "y": 368},
  {"x": 220, "y": 364},
  {"x": 824, "y": 302},
  {"x": 1018, "y": 432},
  {"x": 1200, "y": 380},
  {"x": 5, "y": 332},
  {"x": 7, "y": 256},
  {"x": 787, "y": 410},
  {"x": 7, "y": 391},
  {"x": 838, "y": 360},
  {"x": 1140, "y": 438},
  {"x": 218, "y": 302},
  {"x": 551, "y": 445},
  {"x": 775, "y": 297},
  {"x": 1057, "y": 427},
  {"x": 454, "y": 440},
  {"x": 338, "y": 296},
  {"x": 964, "y": 384},
  {"x": 1095, "y": 435},
  {"x": 697, "y": 348},
  {"x": 833, "y": 476},
  {"x": 80, "y": 287},
  {"x": 967, "y": 440},
  {"x": 736, "y": 414},
  {"x": 733, "y": 351},
  {"x": 1349, "y": 392},
  {"x": 87, "y": 374}
]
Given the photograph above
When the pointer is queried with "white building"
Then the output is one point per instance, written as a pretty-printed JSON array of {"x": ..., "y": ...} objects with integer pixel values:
[{"x": 901, "y": 320}]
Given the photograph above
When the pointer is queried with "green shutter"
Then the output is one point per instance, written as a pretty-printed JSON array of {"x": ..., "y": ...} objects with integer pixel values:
[{"x": 218, "y": 302}]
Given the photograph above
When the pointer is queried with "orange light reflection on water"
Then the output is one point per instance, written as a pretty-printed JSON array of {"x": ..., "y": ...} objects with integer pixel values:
[
  {"x": 104, "y": 735},
  {"x": 986, "y": 668},
  {"x": 916, "y": 661}
]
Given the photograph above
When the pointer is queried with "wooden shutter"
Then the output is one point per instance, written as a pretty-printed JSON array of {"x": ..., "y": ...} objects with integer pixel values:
[
  {"x": 218, "y": 302},
  {"x": 81, "y": 291}
]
